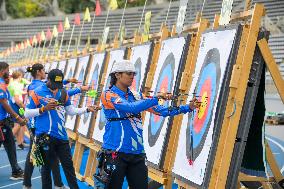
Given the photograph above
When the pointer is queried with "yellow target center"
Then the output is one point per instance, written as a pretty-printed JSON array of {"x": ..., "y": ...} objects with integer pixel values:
[{"x": 203, "y": 105}]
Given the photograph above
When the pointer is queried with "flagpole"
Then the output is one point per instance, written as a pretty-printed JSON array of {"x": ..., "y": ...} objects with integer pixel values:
[
  {"x": 170, "y": 4},
  {"x": 79, "y": 38},
  {"x": 43, "y": 49},
  {"x": 142, "y": 15},
  {"x": 70, "y": 38},
  {"x": 29, "y": 54},
  {"x": 49, "y": 45},
  {"x": 55, "y": 44},
  {"x": 59, "y": 52},
  {"x": 38, "y": 49},
  {"x": 25, "y": 52},
  {"x": 122, "y": 16},
  {"x": 34, "y": 52},
  {"x": 93, "y": 21},
  {"x": 89, "y": 35},
  {"x": 106, "y": 18}
]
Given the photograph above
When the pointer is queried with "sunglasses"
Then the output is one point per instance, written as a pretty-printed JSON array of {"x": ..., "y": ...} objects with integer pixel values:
[{"x": 130, "y": 73}]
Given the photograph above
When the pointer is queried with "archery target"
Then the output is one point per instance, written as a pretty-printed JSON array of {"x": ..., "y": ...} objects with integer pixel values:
[
  {"x": 115, "y": 55},
  {"x": 140, "y": 56},
  {"x": 79, "y": 74},
  {"x": 93, "y": 79},
  {"x": 155, "y": 127},
  {"x": 196, "y": 134},
  {"x": 53, "y": 65},
  {"x": 70, "y": 72},
  {"x": 62, "y": 66}
]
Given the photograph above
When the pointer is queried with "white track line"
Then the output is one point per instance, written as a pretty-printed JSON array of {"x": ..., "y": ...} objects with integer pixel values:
[
  {"x": 20, "y": 182},
  {"x": 280, "y": 146},
  {"x": 8, "y": 165}
]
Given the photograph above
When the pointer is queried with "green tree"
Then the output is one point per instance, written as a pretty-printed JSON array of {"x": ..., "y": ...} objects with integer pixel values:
[{"x": 24, "y": 8}]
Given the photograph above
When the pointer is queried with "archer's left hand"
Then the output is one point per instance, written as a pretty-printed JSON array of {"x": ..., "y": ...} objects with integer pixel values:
[
  {"x": 93, "y": 108},
  {"x": 194, "y": 103}
]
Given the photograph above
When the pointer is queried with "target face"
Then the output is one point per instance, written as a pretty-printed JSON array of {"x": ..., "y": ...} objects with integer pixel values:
[
  {"x": 194, "y": 153},
  {"x": 47, "y": 67},
  {"x": 93, "y": 78},
  {"x": 155, "y": 131},
  {"x": 77, "y": 72},
  {"x": 207, "y": 88},
  {"x": 137, "y": 79},
  {"x": 115, "y": 55},
  {"x": 62, "y": 65},
  {"x": 76, "y": 98},
  {"x": 53, "y": 65},
  {"x": 94, "y": 85},
  {"x": 140, "y": 56},
  {"x": 164, "y": 84}
]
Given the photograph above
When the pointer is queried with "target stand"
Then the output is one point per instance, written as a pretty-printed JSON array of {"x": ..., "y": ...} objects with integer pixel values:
[
  {"x": 279, "y": 83},
  {"x": 83, "y": 142},
  {"x": 164, "y": 175},
  {"x": 225, "y": 167},
  {"x": 85, "y": 139}
]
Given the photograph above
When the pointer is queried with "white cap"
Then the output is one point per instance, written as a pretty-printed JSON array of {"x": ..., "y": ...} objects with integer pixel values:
[{"x": 123, "y": 66}]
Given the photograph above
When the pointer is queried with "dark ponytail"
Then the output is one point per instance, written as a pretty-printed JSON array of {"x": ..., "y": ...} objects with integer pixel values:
[
  {"x": 113, "y": 80},
  {"x": 33, "y": 69}
]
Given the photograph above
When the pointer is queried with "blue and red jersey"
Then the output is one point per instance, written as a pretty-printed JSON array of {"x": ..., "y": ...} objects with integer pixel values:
[
  {"x": 126, "y": 135},
  {"x": 50, "y": 122},
  {"x": 4, "y": 94}
]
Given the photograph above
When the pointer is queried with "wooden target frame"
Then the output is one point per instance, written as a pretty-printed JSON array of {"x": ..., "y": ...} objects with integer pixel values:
[
  {"x": 84, "y": 138},
  {"x": 170, "y": 62},
  {"x": 113, "y": 55},
  {"x": 77, "y": 68},
  {"x": 53, "y": 65},
  {"x": 94, "y": 146},
  {"x": 211, "y": 56},
  {"x": 163, "y": 175},
  {"x": 237, "y": 90}
]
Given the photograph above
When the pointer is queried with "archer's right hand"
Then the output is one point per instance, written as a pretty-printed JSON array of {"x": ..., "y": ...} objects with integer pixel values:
[{"x": 51, "y": 105}]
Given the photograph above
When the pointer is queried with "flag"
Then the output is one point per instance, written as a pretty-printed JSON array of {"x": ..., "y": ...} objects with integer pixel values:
[
  {"x": 42, "y": 36},
  {"x": 98, "y": 8},
  {"x": 87, "y": 16},
  {"x": 48, "y": 34},
  {"x": 66, "y": 24},
  {"x": 38, "y": 37},
  {"x": 181, "y": 16},
  {"x": 145, "y": 35},
  {"x": 34, "y": 40},
  {"x": 122, "y": 31},
  {"x": 88, "y": 44},
  {"x": 77, "y": 19},
  {"x": 17, "y": 48},
  {"x": 28, "y": 43},
  {"x": 31, "y": 41},
  {"x": 105, "y": 35},
  {"x": 60, "y": 27},
  {"x": 22, "y": 46},
  {"x": 54, "y": 31},
  {"x": 113, "y": 4}
]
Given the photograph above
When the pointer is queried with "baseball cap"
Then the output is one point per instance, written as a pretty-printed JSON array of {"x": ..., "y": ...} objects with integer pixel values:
[
  {"x": 56, "y": 78},
  {"x": 123, "y": 66}
]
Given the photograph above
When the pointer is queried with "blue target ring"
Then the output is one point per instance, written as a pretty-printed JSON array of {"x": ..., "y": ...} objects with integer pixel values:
[
  {"x": 207, "y": 73},
  {"x": 206, "y": 89},
  {"x": 137, "y": 79},
  {"x": 164, "y": 84},
  {"x": 69, "y": 75},
  {"x": 94, "y": 86}
]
